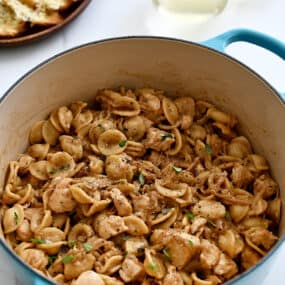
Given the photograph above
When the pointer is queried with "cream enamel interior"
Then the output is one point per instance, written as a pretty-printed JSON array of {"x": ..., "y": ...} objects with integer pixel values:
[{"x": 178, "y": 67}]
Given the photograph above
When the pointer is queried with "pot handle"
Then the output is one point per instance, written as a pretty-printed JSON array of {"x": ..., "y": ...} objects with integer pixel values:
[
  {"x": 220, "y": 42},
  {"x": 40, "y": 281}
]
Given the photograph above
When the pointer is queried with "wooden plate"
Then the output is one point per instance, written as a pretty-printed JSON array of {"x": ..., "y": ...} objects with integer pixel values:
[{"x": 37, "y": 33}]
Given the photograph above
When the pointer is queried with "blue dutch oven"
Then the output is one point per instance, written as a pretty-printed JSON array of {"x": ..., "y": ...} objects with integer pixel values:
[{"x": 179, "y": 67}]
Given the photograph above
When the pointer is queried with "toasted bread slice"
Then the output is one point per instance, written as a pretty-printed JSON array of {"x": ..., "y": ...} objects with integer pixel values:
[
  {"x": 10, "y": 26},
  {"x": 52, "y": 5},
  {"x": 38, "y": 16}
]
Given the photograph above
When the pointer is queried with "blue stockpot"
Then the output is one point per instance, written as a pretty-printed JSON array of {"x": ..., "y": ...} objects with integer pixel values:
[{"x": 26, "y": 275}]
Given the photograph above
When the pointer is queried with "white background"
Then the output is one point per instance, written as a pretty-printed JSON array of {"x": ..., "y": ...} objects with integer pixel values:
[{"x": 111, "y": 18}]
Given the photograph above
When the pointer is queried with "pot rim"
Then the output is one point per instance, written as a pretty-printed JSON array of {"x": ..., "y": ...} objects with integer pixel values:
[{"x": 276, "y": 94}]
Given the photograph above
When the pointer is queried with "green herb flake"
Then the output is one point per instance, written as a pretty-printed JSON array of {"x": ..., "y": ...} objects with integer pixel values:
[
  {"x": 53, "y": 171},
  {"x": 51, "y": 259},
  {"x": 122, "y": 143},
  {"x": 152, "y": 266},
  {"x": 126, "y": 237},
  {"x": 71, "y": 244},
  {"x": 126, "y": 253},
  {"x": 141, "y": 179},
  {"x": 140, "y": 250},
  {"x": 67, "y": 259},
  {"x": 190, "y": 242},
  {"x": 88, "y": 246},
  {"x": 228, "y": 216},
  {"x": 64, "y": 167},
  {"x": 16, "y": 218},
  {"x": 165, "y": 136},
  {"x": 208, "y": 149},
  {"x": 211, "y": 224},
  {"x": 190, "y": 216},
  {"x": 177, "y": 169},
  {"x": 166, "y": 255},
  {"x": 164, "y": 211},
  {"x": 37, "y": 240}
]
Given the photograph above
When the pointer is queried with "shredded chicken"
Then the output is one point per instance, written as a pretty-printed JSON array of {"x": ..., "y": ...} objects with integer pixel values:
[{"x": 110, "y": 226}]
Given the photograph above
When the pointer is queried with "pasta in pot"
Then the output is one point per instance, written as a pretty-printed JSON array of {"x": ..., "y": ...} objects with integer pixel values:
[{"x": 143, "y": 189}]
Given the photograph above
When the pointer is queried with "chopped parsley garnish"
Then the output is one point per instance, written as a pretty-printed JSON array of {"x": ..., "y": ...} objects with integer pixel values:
[
  {"x": 228, "y": 216},
  {"x": 190, "y": 216},
  {"x": 64, "y": 166},
  {"x": 190, "y": 242},
  {"x": 140, "y": 250},
  {"x": 51, "y": 259},
  {"x": 126, "y": 237},
  {"x": 152, "y": 266},
  {"x": 68, "y": 258},
  {"x": 164, "y": 211},
  {"x": 60, "y": 168},
  {"x": 71, "y": 243},
  {"x": 166, "y": 255},
  {"x": 141, "y": 179},
  {"x": 16, "y": 218},
  {"x": 211, "y": 224},
  {"x": 37, "y": 240},
  {"x": 88, "y": 246},
  {"x": 177, "y": 169},
  {"x": 126, "y": 253},
  {"x": 208, "y": 149},
  {"x": 165, "y": 136},
  {"x": 122, "y": 143}
]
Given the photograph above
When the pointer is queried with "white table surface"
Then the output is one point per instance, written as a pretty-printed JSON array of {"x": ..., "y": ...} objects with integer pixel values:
[{"x": 111, "y": 18}]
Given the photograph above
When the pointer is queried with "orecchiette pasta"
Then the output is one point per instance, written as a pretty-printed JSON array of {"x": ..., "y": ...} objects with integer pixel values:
[{"x": 141, "y": 189}]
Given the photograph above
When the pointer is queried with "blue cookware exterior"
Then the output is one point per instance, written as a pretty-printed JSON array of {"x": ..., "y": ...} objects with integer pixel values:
[{"x": 257, "y": 274}]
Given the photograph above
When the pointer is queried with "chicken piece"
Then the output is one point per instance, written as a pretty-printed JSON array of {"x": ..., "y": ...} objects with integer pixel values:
[
  {"x": 119, "y": 167},
  {"x": 241, "y": 176},
  {"x": 35, "y": 257},
  {"x": 61, "y": 199},
  {"x": 210, "y": 254},
  {"x": 172, "y": 277},
  {"x": 212, "y": 210},
  {"x": 197, "y": 224},
  {"x": 141, "y": 205},
  {"x": 123, "y": 206},
  {"x": 226, "y": 267},
  {"x": 159, "y": 140},
  {"x": 249, "y": 257},
  {"x": 132, "y": 270},
  {"x": 265, "y": 185},
  {"x": 261, "y": 236},
  {"x": 181, "y": 246},
  {"x": 89, "y": 278},
  {"x": 109, "y": 226}
]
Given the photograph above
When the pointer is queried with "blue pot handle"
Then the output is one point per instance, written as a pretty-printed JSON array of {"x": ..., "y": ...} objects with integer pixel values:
[
  {"x": 220, "y": 42},
  {"x": 40, "y": 281}
]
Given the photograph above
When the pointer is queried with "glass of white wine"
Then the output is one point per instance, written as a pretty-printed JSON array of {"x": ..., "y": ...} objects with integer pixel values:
[{"x": 200, "y": 7}]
